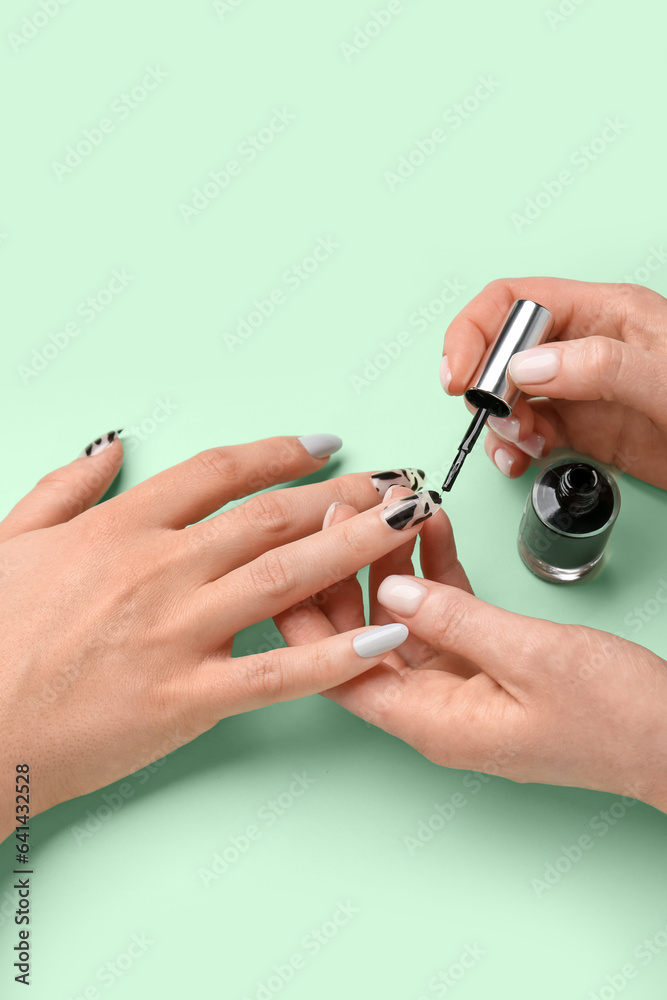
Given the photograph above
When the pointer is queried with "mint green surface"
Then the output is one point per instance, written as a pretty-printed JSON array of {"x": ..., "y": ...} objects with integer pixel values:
[{"x": 168, "y": 345}]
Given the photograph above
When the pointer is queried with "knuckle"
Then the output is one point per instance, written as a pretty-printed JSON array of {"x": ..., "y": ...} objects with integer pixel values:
[
  {"x": 218, "y": 463},
  {"x": 348, "y": 488},
  {"x": 267, "y": 513},
  {"x": 273, "y": 574},
  {"x": 265, "y": 676},
  {"x": 449, "y": 623},
  {"x": 628, "y": 291},
  {"x": 603, "y": 358}
]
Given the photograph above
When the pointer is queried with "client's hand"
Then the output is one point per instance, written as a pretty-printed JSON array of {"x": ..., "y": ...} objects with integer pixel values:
[{"x": 118, "y": 619}]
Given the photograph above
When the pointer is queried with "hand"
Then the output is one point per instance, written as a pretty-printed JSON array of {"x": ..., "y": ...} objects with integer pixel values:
[
  {"x": 480, "y": 688},
  {"x": 604, "y": 373},
  {"x": 118, "y": 619}
]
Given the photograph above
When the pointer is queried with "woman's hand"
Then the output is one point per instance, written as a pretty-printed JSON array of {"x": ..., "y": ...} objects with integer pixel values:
[
  {"x": 604, "y": 372},
  {"x": 480, "y": 688},
  {"x": 118, "y": 619}
]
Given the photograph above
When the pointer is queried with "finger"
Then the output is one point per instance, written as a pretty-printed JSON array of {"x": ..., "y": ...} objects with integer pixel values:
[
  {"x": 506, "y": 457},
  {"x": 438, "y": 556},
  {"x": 424, "y": 708},
  {"x": 303, "y": 623},
  {"x": 577, "y": 307},
  {"x": 193, "y": 489},
  {"x": 526, "y": 428},
  {"x": 229, "y": 686},
  {"x": 398, "y": 560},
  {"x": 500, "y": 642},
  {"x": 66, "y": 492},
  {"x": 595, "y": 368},
  {"x": 338, "y": 608},
  {"x": 286, "y": 575},
  {"x": 342, "y": 603},
  {"x": 239, "y": 535},
  {"x": 438, "y": 559}
]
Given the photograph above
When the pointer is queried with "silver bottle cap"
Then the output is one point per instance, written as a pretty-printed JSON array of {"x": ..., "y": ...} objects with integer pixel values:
[{"x": 527, "y": 325}]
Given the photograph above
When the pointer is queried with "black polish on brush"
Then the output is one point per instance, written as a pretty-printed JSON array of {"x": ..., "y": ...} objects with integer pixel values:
[{"x": 466, "y": 446}]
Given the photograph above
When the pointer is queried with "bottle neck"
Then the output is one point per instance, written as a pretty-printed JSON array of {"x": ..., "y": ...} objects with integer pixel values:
[{"x": 578, "y": 489}]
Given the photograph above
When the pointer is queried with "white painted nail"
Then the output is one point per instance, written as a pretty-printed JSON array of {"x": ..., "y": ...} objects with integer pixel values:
[
  {"x": 321, "y": 445},
  {"x": 533, "y": 445},
  {"x": 380, "y": 640},
  {"x": 535, "y": 366},
  {"x": 95, "y": 447},
  {"x": 328, "y": 517},
  {"x": 401, "y": 595},
  {"x": 445, "y": 374},
  {"x": 504, "y": 461},
  {"x": 507, "y": 428}
]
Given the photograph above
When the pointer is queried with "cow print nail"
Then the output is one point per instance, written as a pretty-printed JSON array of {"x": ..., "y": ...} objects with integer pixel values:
[
  {"x": 99, "y": 444},
  {"x": 413, "y": 479},
  {"x": 410, "y": 511}
]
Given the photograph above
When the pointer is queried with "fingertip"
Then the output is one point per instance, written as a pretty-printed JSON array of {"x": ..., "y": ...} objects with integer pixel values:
[
  {"x": 108, "y": 442},
  {"x": 507, "y": 459},
  {"x": 337, "y": 513},
  {"x": 445, "y": 374},
  {"x": 321, "y": 445},
  {"x": 375, "y": 642}
]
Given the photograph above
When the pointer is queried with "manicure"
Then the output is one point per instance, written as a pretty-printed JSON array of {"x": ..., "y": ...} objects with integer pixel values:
[
  {"x": 504, "y": 461},
  {"x": 99, "y": 444},
  {"x": 445, "y": 374},
  {"x": 509, "y": 429},
  {"x": 401, "y": 595},
  {"x": 535, "y": 366},
  {"x": 321, "y": 445},
  {"x": 411, "y": 511},
  {"x": 382, "y": 639},
  {"x": 412, "y": 479}
]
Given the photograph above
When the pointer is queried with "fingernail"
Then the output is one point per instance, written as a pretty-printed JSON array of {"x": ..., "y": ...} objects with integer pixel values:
[
  {"x": 445, "y": 374},
  {"x": 412, "y": 510},
  {"x": 533, "y": 445},
  {"x": 535, "y": 366},
  {"x": 509, "y": 428},
  {"x": 504, "y": 461},
  {"x": 506, "y": 427},
  {"x": 413, "y": 479},
  {"x": 401, "y": 595},
  {"x": 328, "y": 517},
  {"x": 380, "y": 640},
  {"x": 321, "y": 445},
  {"x": 99, "y": 444}
]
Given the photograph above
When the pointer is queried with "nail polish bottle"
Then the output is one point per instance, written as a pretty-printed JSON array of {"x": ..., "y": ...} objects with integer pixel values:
[{"x": 567, "y": 521}]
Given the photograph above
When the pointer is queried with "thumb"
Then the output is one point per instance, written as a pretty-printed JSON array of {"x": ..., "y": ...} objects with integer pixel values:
[
  {"x": 62, "y": 494},
  {"x": 506, "y": 646},
  {"x": 595, "y": 368}
]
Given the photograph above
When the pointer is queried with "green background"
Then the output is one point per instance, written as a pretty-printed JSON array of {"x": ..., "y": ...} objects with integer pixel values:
[{"x": 164, "y": 338}]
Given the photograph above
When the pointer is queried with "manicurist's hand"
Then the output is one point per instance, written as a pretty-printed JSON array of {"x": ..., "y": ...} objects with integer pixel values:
[
  {"x": 118, "y": 619},
  {"x": 480, "y": 688},
  {"x": 604, "y": 372}
]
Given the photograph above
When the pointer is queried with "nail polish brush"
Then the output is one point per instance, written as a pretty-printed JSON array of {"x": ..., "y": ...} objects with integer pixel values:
[{"x": 493, "y": 393}]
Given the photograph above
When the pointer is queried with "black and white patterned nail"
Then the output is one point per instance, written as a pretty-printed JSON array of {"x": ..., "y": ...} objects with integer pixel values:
[
  {"x": 100, "y": 443},
  {"x": 413, "y": 479},
  {"x": 412, "y": 510}
]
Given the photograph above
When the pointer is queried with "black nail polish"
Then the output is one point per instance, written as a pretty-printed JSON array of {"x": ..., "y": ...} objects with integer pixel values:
[{"x": 567, "y": 521}]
